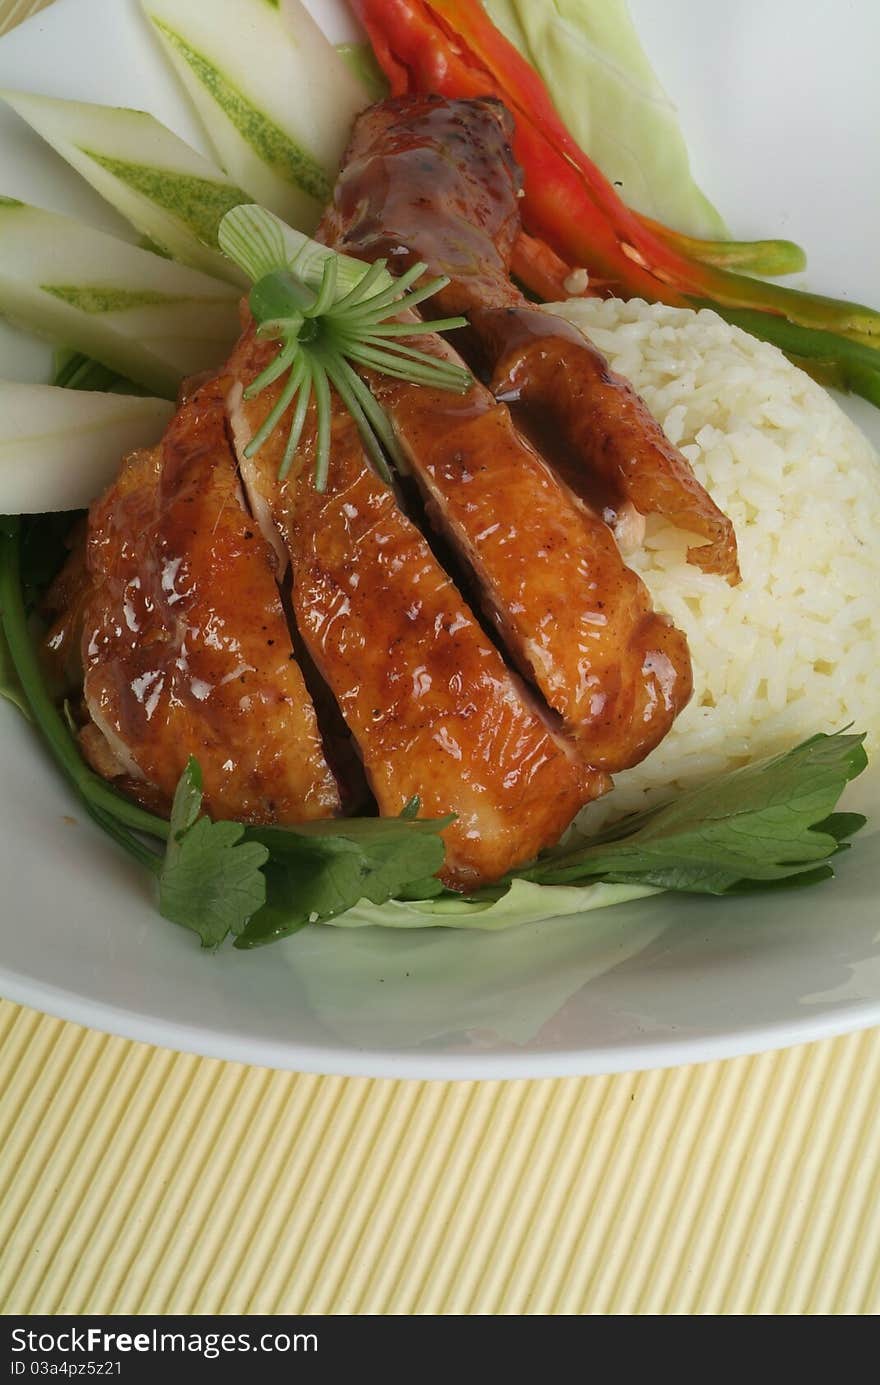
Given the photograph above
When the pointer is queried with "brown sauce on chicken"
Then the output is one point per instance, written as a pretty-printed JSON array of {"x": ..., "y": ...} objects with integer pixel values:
[
  {"x": 185, "y": 645},
  {"x": 426, "y": 178},
  {"x": 432, "y": 709},
  {"x": 576, "y": 621}
]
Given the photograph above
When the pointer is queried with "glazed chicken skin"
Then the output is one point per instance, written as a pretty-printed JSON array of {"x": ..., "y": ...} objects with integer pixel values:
[
  {"x": 432, "y": 179},
  {"x": 575, "y": 619},
  {"x": 185, "y": 644},
  {"x": 432, "y": 708}
]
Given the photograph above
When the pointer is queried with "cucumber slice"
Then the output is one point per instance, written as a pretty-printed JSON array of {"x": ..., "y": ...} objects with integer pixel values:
[
  {"x": 360, "y": 59},
  {"x": 163, "y": 187},
  {"x": 60, "y": 448},
  {"x": 148, "y": 318},
  {"x": 276, "y": 99}
]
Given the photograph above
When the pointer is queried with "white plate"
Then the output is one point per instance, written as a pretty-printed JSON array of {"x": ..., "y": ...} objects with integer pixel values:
[{"x": 781, "y": 106}]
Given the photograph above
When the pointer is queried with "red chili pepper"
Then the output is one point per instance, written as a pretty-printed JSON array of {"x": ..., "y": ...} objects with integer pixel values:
[
  {"x": 418, "y": 54},
  {"x": 451, "y": 47}
]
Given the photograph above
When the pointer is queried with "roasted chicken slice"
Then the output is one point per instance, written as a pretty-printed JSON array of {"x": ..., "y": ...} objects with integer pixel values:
[
  {"x": 572, "y": 402},
  {"x": 435, "y": 713},
  {"x": 186, "y": 648},
  {"x": 578, "y": 622},
  {"x": 432, "y": 179}
]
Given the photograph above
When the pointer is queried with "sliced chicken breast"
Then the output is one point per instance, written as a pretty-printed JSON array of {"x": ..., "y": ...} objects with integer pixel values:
[
  {"x": 576, "y": 619},
  {"x": 434, "y": 712},
  {"x": 185, "y": 644}
]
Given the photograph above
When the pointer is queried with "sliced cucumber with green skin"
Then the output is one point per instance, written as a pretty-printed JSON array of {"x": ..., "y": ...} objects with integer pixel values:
[
  {"x": 360, "y": 59},
  {"x": 146, "y": 317},
  {"x": 60, "y": 448},
  {"x": 154, "y": 179},
  {"x": 276, "y": 99}
]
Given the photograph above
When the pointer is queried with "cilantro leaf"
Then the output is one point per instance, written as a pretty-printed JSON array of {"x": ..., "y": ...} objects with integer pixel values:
[
  {"x": 763, "y": 825},
  {"x": 319, "y": 870},
  {"x": 215, "y": 882},
  {"x": 211, "y": 880},
  {"x": 187, "y": 802}
]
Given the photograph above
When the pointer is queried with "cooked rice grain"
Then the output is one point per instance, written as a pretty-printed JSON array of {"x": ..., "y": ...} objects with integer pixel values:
[{"x": 796, "y": 647}]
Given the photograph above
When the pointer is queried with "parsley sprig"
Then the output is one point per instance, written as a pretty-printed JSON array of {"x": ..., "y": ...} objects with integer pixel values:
[
  {"x": 768, "y": 824},
  {"x": 210, "y": 880}
]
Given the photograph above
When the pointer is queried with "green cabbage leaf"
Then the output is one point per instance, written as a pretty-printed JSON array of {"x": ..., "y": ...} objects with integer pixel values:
[{"x": 604, "y": 88}]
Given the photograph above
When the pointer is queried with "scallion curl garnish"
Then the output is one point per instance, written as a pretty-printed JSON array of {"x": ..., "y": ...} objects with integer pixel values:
[{"x": 331, "y": 314}]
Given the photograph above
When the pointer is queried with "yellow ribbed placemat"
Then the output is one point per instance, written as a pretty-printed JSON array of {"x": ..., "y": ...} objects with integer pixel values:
[
  {"x": 135, "y": 1180},
  {"x": 12, "y": 12}
]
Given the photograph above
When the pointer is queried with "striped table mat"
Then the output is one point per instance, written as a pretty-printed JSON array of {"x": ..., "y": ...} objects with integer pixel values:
[
  {"x": 135, "y": 1180},
  {"x": 12, "y": 12}
]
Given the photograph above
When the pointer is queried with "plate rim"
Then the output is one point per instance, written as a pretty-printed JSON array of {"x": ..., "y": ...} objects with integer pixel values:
[{"x": 658, "y": 1053}]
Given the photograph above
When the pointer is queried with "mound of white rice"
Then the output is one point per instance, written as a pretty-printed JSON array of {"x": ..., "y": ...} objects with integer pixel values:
[{"x": 796, "y": 647}]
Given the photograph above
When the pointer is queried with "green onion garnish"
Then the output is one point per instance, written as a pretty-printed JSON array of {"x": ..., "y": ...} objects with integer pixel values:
[{"x": 330, "y": 314}]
